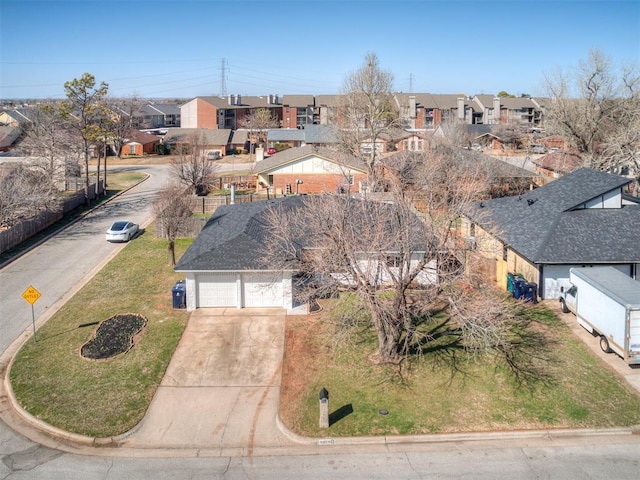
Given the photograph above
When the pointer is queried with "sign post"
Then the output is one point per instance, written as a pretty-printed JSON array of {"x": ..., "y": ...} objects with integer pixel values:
[{"x": 32, "y": 295}]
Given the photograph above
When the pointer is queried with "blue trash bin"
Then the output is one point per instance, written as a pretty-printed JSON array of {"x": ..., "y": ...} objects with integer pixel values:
[
  {"x": 179, "y": 292},
  {"x": 531, "y": 293},
  {"x": 518, "y": 288}
]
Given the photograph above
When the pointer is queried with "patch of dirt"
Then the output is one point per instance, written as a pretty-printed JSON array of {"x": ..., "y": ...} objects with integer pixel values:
[{"x": 299, "y": 365}]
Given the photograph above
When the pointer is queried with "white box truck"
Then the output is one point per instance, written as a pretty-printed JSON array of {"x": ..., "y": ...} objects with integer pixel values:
[{"x": 606, "y": 303}]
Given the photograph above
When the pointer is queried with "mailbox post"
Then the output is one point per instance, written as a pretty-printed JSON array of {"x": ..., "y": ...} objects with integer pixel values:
[{"x": 324, "y": 408}]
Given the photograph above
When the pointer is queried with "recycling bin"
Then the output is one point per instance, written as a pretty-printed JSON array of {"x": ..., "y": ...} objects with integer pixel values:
[
  {"x": 179, "y": 292},
  {"x": 531, "y": 293},
  {"x": 518, "y": 288}
]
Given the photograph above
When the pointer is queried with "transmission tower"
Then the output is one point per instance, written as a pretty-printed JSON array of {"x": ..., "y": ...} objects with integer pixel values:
[{"x": 223, "y": 77}]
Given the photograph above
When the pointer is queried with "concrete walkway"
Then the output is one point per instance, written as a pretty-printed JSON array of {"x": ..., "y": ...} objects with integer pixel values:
[
  {"x": 222, "y": 387},
  {"x": 617, "y": 364}
]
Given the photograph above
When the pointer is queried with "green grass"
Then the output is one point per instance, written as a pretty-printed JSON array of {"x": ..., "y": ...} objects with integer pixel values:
[
  {"x": 445, "y": 390},
  {"x": 107, "y": 397}
]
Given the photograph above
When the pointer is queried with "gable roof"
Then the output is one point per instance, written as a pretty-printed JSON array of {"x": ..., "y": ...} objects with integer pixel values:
[
  {"x": 548, "y": 225},
  {"x": 233, "y": 237},
  {"x": 291, "y": 155},
  {"x": 562, "y": 162},
  {"x": 204, "y": 135},
  {"x": 142, "y": 137}
]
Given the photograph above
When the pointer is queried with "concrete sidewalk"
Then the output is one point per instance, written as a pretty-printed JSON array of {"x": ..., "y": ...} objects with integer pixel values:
[{"x": 222, "y": 387}]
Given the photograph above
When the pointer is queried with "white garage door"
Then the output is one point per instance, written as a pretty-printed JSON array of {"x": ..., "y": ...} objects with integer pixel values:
[
  {"x": 217, "y": 290},
  {"x": 556, "y": 276},
  {"x": 262, "y": 290}
]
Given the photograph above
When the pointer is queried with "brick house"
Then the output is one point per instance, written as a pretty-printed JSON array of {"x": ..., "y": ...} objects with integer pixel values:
[
  {"x": 582, "y": 219},
  {"x": 309, "y": 169},
  {"x": 139, "y": 144}
]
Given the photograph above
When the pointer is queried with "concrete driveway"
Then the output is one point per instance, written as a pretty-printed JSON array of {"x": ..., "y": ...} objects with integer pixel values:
[{"x": 221, "y": 388}]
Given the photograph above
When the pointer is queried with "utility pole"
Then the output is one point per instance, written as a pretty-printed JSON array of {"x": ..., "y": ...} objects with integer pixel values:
[{"x": 223, "y": 77}]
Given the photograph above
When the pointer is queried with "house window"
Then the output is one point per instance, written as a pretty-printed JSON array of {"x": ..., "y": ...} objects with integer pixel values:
[
  {"x": 270, "y": 180},
  {"x": 132, "y": 149},
  {"x": 349, "y": 179},
  {"x": 505, "y": 253},
  {"x": 393, "y": 260}
]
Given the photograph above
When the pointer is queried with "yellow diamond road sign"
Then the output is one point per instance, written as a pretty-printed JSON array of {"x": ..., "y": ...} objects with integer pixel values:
[{"x": 31, "y": 295}]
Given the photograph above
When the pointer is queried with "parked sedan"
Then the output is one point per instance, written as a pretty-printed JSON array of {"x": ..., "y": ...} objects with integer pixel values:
[{"x": 122, "y": 231}]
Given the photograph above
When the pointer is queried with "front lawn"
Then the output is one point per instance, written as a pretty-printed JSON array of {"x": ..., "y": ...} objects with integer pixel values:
[
  {"x": 444, "y": 390},
  {"x": 101, "y": 398}
]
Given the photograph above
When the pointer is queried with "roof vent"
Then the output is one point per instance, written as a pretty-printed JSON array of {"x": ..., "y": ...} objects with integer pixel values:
[{"x": 530, "y": 201}]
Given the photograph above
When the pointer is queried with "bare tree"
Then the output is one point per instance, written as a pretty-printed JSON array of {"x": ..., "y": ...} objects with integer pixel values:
[
  {"x": 367, "y": 110},
  {"x": 22, "y": 195},
  {"x": 258, "y": 122},
  {"x": 595, "y": 108},
  {"x": 82, "y": 109},
  {"x": 125, "y": 111},
  {"x": 173, "y": 212},
  {"x": 190, "y": 163},
  {"x": 47, "y": 138},
  {"x": 370, "y": 247}
]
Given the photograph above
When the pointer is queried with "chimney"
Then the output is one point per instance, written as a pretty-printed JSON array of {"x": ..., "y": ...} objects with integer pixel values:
[
  {"x": 232, "y": 99},
  {"x": 496, "y": 110},
  {"x": 460, "y": 104},
  {"x": 412, "y": 106},
  {"x": 238, "y": 99}
]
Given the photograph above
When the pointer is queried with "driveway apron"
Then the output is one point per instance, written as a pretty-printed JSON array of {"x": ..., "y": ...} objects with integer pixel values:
[{"x": 222, "y": 386}]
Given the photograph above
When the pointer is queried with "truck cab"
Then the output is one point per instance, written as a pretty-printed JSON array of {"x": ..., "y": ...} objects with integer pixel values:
[{"x": 568, "y": 299}]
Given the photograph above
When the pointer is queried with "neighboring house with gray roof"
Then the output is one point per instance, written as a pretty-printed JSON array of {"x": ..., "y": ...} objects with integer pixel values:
[
  {"x": 582, "y": 219},
  {"x": 204, "y": 139},
  {"x": 310, "y": 169},
  {"x": 157, "y": 115},
  {"x": 299, "y": 137}
]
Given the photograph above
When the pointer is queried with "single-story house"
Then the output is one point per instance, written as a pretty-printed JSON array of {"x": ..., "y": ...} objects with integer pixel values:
[
  {"x": 318, "y": 135},
  {"x": 585, "y": 218},
  {"x": 309, "y": 169},
  {"x": 139, "y": 143},
  {"x": 225, "y": 265},
  {"x": 208, "y": 141}
]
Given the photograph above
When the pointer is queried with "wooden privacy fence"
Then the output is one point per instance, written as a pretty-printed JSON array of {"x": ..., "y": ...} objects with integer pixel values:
[
  {"x": 29, "y": 227},
  {"x": 208, "y": 204}
]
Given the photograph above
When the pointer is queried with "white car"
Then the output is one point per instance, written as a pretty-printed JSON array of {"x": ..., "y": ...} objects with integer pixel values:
[{"x": 122, "y": 231}]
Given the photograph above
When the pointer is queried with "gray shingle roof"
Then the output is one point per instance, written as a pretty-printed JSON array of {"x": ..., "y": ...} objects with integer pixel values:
[
  {"x": 231, "y": 239},
  {"x": 204, "y": 135},
  {"x": 545, "y": 226},
  {"x": 291, "y": 155}
]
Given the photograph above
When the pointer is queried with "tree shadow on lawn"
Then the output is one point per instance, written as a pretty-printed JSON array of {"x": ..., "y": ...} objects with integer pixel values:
[{"x": 523, "y": 348}]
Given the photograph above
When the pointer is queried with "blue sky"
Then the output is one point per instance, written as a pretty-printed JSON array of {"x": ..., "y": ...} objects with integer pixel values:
[{"x": 175, "y": 48}]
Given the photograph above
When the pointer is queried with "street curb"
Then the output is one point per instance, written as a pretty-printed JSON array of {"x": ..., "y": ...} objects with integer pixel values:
[
  {"x": 453, "y": 437},
  {"x": 73, "y": 222}
]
